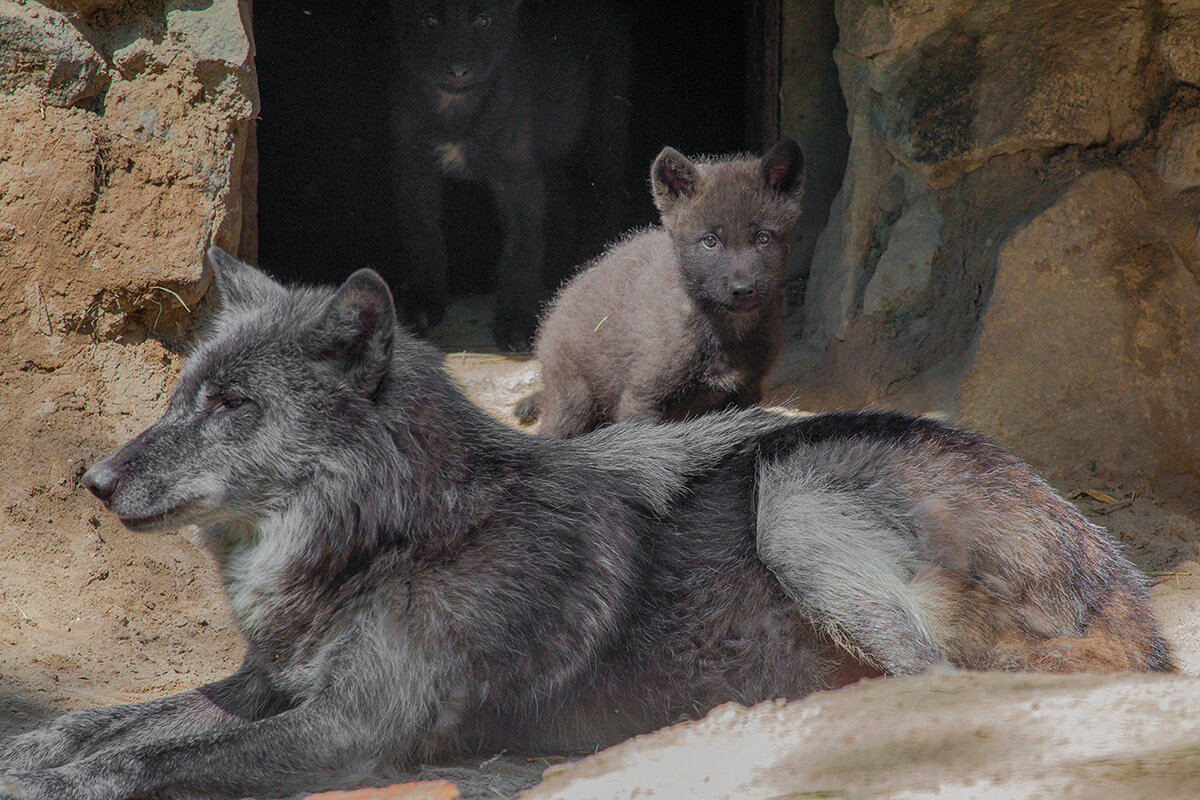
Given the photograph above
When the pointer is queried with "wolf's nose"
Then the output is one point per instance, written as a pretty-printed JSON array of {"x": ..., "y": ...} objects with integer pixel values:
[
  {"x": 741, "y": 291},
  {"x": 101, "y": 481}
]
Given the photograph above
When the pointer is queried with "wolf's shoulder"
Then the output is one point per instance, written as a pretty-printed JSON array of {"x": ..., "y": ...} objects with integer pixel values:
[{"x": 634, "y": 254}]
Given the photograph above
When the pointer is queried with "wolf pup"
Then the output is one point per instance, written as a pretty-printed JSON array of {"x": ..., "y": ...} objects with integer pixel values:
[
  {"x": 530, "y": 100},
  {"x": 680, "y": 320},
  {"x": 416, "y": 581}
]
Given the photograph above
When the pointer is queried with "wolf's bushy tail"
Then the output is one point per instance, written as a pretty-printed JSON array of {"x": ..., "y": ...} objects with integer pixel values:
[
  {"x": 918, "y": 542},
  {"x": 1121, "y": 636}
]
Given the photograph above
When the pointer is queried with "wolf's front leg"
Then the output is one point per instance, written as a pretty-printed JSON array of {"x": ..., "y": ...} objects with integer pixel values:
[
  {"x": 82, "y": 732},
  {"x": 371, "y": 701},
  {"x": 521, "y": 201},
  {"x": 232, "y": 701},
  {"x": 419, "y": 277}
]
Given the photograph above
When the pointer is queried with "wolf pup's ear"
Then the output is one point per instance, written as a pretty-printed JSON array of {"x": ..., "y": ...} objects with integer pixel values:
[
  {"x": 783, "y": 168},
  {"x": 239, "y": 283},
  {"x": 357, "y": 330},
  {"x": 673, "y": 178}
]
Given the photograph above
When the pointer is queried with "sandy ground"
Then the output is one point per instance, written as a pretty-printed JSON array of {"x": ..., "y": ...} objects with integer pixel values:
[{"x": 91, "y": 613}]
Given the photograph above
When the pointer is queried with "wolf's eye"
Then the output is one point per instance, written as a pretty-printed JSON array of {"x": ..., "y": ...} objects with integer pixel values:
[
  {"x": 483, "y": 20},
  {"x": 227, "y": 402},
  {"x": 710, "y": 240},
  {"x": 763, "y": 237},
  {"x": 431, "y": 21}
]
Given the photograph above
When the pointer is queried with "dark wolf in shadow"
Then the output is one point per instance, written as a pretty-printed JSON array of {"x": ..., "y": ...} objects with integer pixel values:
[
  {"x": 682, "y": 319},
  {"x": 416, "y": 581},
  {"x": 529, "y": 99}
]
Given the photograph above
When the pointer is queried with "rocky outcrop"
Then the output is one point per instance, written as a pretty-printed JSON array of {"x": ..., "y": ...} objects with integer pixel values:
[
  {"x": 43, "y": 51},
  {"x": 131, "y": 129},
  {"x": 1088, "y": 348},
  {"x": 1014, "y": 242},
  {"x": 959, "y": 735}
]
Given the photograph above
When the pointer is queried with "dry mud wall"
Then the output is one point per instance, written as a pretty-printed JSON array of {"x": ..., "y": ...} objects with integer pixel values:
[{"x": 125, "y": 149}]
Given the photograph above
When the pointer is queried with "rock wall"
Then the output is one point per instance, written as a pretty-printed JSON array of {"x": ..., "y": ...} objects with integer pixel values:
[
  {"x": 125, "y": 150},
  {"x": 812, "y": 111},
  {"x": 1014, "y": 242}
]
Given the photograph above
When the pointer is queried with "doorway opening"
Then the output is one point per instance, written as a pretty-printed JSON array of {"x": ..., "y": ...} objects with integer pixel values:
[{"x": 704, "y": 78}]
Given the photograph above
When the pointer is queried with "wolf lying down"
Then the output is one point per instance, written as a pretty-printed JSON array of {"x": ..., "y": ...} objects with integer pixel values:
[{"x": 416, "y": 581}]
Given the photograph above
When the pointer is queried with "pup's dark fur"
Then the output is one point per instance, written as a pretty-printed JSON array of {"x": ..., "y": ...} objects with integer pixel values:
[
  {"x": 679, "y": 320},
  {"x": 527, "y": 99},
  {"x": 415, "y": 580}
]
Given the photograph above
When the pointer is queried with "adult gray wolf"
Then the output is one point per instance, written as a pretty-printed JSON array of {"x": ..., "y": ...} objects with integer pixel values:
[
  {"x": 682, "y": 319},
  {"x": 528, "y": 98},
  {"x": 415, "y": 580}
]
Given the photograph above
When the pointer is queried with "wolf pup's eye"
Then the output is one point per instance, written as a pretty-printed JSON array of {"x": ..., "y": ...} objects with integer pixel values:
[
  {"x": 710, "y": 241},
  {"x": 483, "y": 20},
  {"x": 763, "y": 237},
  {"x": 431, "y": 21}
]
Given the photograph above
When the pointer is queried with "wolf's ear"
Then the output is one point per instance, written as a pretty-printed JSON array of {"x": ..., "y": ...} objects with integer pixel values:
[
  {"x": 673, "y": 178},
  {"x": 239, "y": 283},
  {"x": 783, "y": 168},
  {"x": 357, "y": 330}
]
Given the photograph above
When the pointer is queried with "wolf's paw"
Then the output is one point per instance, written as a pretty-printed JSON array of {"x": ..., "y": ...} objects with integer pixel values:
[
  {"x": 39, "y": 786},
  {"x": 527, "y": 410},
  {"x": 38, "y": 749}
]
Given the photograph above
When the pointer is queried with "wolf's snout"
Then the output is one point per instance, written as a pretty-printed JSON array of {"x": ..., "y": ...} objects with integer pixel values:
[
  {"x": 742, "y": 290},
  {"x": 102, "y": 481}
]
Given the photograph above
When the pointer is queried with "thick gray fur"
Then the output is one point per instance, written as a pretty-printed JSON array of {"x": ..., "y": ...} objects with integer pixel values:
[
  {"x": 416, "y": 581},
  {"x": 678, "y": 320}
]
